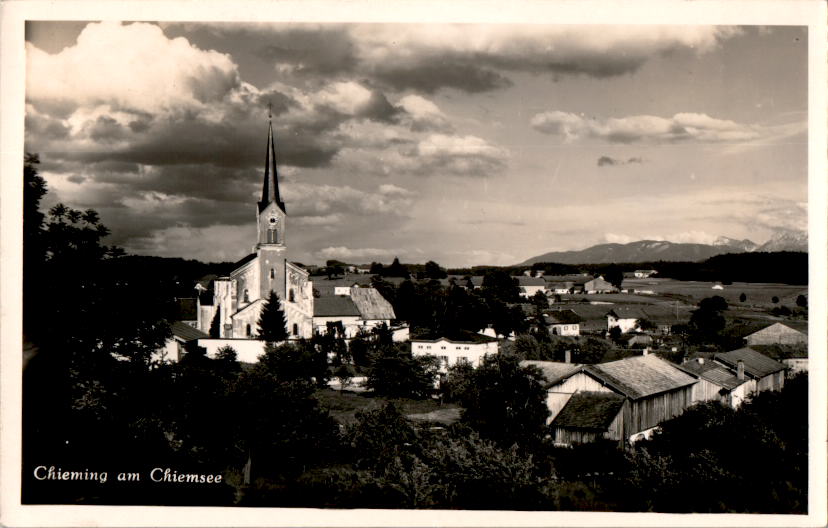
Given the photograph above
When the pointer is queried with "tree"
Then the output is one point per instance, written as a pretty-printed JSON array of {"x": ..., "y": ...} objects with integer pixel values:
[
  {"x": 802, "y": 301},
  {"x": 506, "y": 402},
  {"x": 614, "y": 275},
  {"x": 272, "y": 322},
  {"x": 297, "y": 361},
  {"x": 395, "y": 373},
  {"x": 707, "y": 322},
  {"x": 344, "y": 373},
  {"x": 645, "y": 325},
  {"x": 540, "y": 301},
  {"x": 396, "y": 270},
  {"x": 774, "y": 299},
  {"x": 434, "y": 271},
  {"x": 499, "y": 285},
  {"x": 742, "y": 297},
  {"x": 215, "y": 324},
  {"x": 379, "y": 436}
]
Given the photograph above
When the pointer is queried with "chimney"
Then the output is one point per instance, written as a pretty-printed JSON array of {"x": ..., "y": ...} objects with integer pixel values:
[
  {"x": 740, "y": 370},
  {"x": 567, "y": 356}
]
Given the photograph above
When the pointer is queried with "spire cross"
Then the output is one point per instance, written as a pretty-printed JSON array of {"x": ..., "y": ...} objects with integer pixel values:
[{"x": 269, "y": 110}]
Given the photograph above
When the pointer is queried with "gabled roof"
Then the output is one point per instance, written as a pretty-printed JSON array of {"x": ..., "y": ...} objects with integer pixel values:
[
  {"x": 713, "y": 372},
  {"x": 334, "y": 305},
  {"x": 640, "y": 376},
  {"x": 787, "y": 328},
  {"x": 371, "y": 304},
  {"x": 523, "y": 280},
  {"x": 553, "y": 371},
  {"x": 562, "y": 317},
  {"x": 186, "y": 332},
  {"x": 653, "y": 312},
  {"x": 462, "y": 336},
  {"x": 756, "y": 365},
  {"x": 589, "y": 410}
]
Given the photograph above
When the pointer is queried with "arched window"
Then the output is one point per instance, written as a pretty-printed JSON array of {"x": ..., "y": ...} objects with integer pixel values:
[
  {"x": 295, "y": 329},
  {"x": 246, "y": 296},
  {"x": 249, "y": 331},
  {"x": 272, "y": 273},
  {"x": 291, "y": 296}
]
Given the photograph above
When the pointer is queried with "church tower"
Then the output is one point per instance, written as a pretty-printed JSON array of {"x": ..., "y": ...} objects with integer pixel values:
[{"x": 270, "y": 221}]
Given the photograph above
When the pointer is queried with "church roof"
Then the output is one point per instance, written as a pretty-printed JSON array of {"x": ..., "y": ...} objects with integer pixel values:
[
  {"x": 186, "y": 332},
  {"x": 270, "y": 187},
  {"x": 334, "y": 305}
]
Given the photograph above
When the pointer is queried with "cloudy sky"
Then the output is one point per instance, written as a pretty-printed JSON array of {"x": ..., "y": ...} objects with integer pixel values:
[{"x": 464, "y": 144}]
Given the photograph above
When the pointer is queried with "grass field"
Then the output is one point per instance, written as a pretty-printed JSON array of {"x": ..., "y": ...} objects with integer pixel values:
[
  {"x": 759, "y": 294},
  {"x": 343, "y": 406}
]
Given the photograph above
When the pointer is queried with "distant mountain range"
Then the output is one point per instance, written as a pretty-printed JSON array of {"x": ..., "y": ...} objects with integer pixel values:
[{"x": 655, "y": 250}]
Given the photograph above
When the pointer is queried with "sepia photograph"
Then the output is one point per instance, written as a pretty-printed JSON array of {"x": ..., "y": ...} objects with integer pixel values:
[{"x": 401, "y": 265}]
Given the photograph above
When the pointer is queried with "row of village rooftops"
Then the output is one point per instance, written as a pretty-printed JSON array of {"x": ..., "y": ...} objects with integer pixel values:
[{"x": 623, "y": 400}]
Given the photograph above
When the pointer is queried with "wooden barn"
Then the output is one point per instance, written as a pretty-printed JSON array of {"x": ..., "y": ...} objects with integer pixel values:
[
  {"x": 768, "y": 373},
  {"x": 588, "y": 417},
  {"x": 653, "y": 390}
]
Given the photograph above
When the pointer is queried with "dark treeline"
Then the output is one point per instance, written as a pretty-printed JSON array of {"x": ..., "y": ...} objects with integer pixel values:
[{"x": 785, "y": 267}]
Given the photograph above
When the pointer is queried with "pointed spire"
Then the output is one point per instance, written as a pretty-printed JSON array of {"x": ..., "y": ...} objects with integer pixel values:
[{"x": 270, "y": 187}]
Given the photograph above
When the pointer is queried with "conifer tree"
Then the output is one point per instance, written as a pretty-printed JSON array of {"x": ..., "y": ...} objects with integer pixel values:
[
  {"x": 272, "y": 322},
  {"x": 215, "y": 331}
]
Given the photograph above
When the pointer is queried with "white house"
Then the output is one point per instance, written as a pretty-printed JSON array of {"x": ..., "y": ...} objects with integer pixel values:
[
  {"x": 563, "y": 323},
  {"x": 529, "y": 286},
  {"x": 363, "y": 309},
  {"x": 469, "y": 348}
]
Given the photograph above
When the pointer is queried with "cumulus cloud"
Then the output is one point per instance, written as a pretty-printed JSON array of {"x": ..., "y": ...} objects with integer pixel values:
[
  {"x": 133, "y": 67},
  {"x": 474, "y": 58},
  {"x": 604, "y": 161},
  {"x": 646, "y": 128}
]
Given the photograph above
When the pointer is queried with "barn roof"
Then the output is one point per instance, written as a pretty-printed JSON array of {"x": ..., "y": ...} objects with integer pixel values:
[
  {"x": 186, "y": 332},
  {"x": 553, "y": 371},
  {"x": 334, "y": 305},
  {"x": 589, "y": 410},
  {"x": 712, "y": 372},
  {"x": 786, "y": 328},
  {"x": 371, "y": 304},
  {"x": 652, "y": 312},
  {"x": 757, "y": 365},
  {"x": 462, "y": 336},
  {"x": 640, "y": 376}
]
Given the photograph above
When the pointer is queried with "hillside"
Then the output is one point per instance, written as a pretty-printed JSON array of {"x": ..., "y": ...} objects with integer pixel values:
[{"x": 662, "y": 250}]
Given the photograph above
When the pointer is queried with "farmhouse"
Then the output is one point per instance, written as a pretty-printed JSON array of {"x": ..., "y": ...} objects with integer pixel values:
[
  {"x": 644, "y": 274},
  {"x": 629, "y": 317},
  {"x": 361, "y": 309},
  {"x": 467, "y": 347},
  {"x": 182, "y": 335},
  {"x": 717, "y": 382},
  {"x": 529, "y": 286},
  {"x": 563, "y": 322},
  {"x": 768, "y": 373},
  {"x": 777, "y": 333}
]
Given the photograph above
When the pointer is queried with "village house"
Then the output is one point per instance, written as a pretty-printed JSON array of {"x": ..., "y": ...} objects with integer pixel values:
[
  {"x": 361, "y": 309},
  {"x": 644, "y": 274},
  {"x": 183, "y": 335},
  {"x": 777, "y": 334},
  {"x": 529, "y": 286},
  {"x": 717, "y": 382},
  {"x": 468, "y": 347},
  {"x": 563, "y": 322},
  {"x": 653, "y": 391},
  {"x": 768, "y": 373},
  {"x": 628, "y": 317}
]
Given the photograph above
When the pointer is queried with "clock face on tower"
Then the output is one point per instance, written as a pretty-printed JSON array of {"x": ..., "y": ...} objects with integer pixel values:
[{"x": 273, "y": 220}]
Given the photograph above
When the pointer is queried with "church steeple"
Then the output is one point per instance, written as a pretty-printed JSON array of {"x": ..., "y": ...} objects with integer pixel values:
[{"x": 270, "y": 187}]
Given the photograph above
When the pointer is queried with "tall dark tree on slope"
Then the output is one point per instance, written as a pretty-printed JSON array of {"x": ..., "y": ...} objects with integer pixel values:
[
  {"x": 272, "y": 322},
  {"x": 506, "y": 402}
]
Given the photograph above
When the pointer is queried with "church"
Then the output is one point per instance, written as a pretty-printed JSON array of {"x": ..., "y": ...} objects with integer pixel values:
[{"x": 236, "y": 301}]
